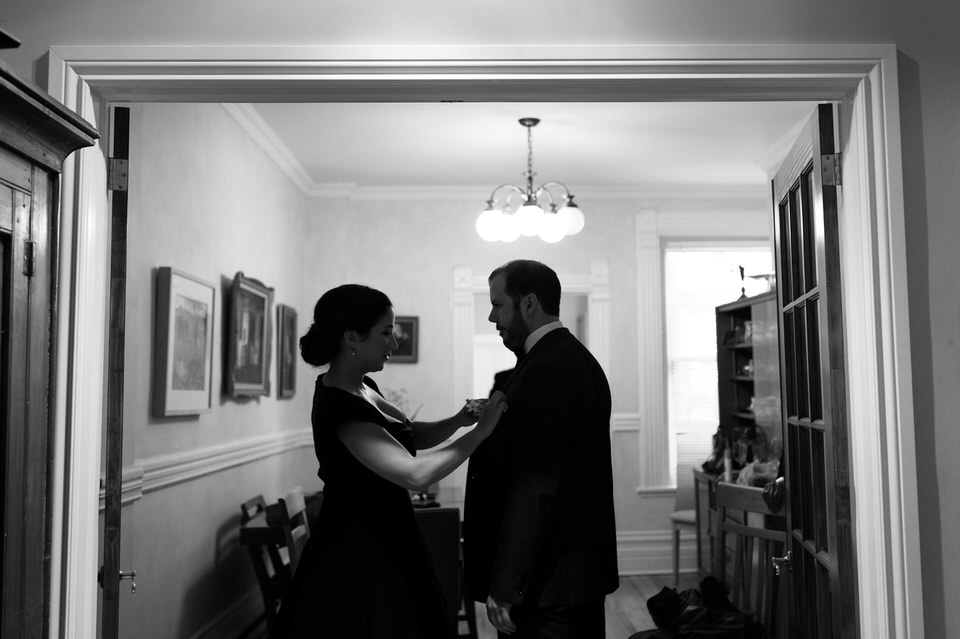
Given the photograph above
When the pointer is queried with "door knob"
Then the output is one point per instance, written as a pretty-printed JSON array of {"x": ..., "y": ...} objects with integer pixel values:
[
  {"x": 132, "y": 576},
  {"x": 782, "y": 562}
]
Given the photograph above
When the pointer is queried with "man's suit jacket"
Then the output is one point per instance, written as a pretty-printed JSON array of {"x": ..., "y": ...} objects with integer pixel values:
[{"x": 539, "y": 526}]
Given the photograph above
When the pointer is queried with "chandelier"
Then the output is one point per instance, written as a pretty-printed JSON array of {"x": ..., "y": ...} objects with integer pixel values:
[{"x": 547, "y": 211}]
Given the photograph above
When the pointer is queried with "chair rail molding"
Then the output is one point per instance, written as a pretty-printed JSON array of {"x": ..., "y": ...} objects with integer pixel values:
[
  {"x": 162, "y": 471},
  {"x": 862, "y": 77}
]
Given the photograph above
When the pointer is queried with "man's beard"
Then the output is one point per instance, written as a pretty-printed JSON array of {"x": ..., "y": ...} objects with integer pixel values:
[{"x": 515, "y": 334}]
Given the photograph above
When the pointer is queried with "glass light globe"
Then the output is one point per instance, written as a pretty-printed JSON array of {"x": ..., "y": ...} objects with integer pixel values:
[
  {"x": 529, "y": 217},
  {"x": 488, "y": 224},
  {"x": 552, "y": 228},
  {"x": 572, "y": 218},
  {"x": 508, "y": 227}
]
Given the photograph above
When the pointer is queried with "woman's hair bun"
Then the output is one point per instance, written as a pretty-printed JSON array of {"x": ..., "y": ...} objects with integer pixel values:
[{"x": 350, "y": 307}]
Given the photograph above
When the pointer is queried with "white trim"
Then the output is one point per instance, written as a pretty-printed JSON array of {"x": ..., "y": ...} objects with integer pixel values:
[
  {"x": 61, "y": 406},
  {"x": 651, "y": 354},
  {"x": 645, "y": 552},
  {"x": 79, "y": 371},
  {"x": 751, "y": 196},
  {"x": 163, "y": 471},
  {"x": 625, "y": 423},
  {"x": 877, "y": 344},
  {"x": 816, "y": 72}
]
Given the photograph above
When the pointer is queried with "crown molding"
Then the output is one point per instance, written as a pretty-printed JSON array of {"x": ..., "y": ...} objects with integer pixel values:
[{"x": 266, "y": 138}]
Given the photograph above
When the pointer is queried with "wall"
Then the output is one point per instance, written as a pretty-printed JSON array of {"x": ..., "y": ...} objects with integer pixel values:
[
  {"x": 206, "y": 200},
  {"x": 923, "y": 31}
]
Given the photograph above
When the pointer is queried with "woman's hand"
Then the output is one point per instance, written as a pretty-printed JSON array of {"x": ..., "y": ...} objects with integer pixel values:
[{"x": 490, "y": 415}]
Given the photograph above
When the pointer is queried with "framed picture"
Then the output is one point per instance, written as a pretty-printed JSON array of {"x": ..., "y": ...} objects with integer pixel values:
[
  {"x": 248, "y": 338},
  {"x": 286, "y": 351},
  {"x": 406, "y": 330},
  {"x": 182, "y": 344}
]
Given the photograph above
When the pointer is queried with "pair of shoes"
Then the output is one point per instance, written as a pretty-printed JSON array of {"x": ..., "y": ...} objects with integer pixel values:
[
  {"x": 715, "y": 595},
  {"x": 670, "y": 611}
]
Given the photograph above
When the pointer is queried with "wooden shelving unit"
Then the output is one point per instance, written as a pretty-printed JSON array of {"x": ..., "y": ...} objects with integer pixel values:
[{"x": 748, "y": 371}]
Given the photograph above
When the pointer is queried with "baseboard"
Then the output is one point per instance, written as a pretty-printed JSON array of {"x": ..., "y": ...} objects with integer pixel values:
[
  {"x": 235, "y": 620},
  {"x": 651, "y": 552}
]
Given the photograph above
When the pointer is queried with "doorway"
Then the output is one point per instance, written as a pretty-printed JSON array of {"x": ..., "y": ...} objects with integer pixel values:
[{"x": 815, "y": 73}]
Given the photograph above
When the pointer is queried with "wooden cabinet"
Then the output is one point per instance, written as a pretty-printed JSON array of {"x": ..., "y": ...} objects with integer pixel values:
[
  {"x": 748, "y": 376},
  {"x": 36, "y": 134}
]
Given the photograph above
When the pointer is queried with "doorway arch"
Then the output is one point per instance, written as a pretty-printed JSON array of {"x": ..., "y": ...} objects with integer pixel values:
[{"x": 861, "y": 78}]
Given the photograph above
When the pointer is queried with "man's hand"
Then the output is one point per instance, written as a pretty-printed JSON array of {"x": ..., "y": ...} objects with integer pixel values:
[{"x": 498, "y": 612}]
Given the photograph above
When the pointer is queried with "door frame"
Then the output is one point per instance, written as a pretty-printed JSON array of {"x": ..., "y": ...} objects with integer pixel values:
[{"x": 861, "y": 78}]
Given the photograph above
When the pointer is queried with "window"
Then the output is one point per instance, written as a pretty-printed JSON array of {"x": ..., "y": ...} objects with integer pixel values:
[{"x": 698, "y": 278}]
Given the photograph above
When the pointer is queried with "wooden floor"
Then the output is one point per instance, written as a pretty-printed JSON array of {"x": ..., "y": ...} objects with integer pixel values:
[{"x": 626, "y": 608}]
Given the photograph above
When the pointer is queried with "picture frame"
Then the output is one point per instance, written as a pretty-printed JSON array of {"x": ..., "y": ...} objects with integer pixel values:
[
  {"x": 185, "y": 312},
  {"x": 248, "y": 338},
  {"x": 406, "y": 329},
  {"x": 287, "y": 350}
]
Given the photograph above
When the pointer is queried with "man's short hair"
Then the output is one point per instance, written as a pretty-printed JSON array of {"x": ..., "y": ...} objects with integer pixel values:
[{"x": 522, "y": 277}]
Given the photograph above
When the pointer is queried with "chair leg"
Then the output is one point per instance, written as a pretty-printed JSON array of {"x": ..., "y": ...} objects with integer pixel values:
[{"x": 676, "y": 556}]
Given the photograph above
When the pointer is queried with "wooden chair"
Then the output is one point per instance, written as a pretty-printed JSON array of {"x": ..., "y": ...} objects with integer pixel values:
[
  {"x": 296, "y": 528},
  {"x": 757, "y": 536},
  {"x": 272, "y": 569},
  {"x": 251, "y": 508},
  {"x": 684, "y": 513}
]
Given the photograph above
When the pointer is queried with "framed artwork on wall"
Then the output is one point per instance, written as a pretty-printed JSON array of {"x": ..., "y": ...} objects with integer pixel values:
[
  {"x": 183, "y": 344},
  {"x": 248, "y": 338},
  {"x": 287, "y": 349},
  {"x": 406, "y": 329}
]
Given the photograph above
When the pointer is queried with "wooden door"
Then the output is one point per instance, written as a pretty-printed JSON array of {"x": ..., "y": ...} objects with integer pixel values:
[{"x": 823, "y": 588}]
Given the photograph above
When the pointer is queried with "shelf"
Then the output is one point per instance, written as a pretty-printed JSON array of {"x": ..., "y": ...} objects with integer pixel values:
[{"x": 743, "y": 378}]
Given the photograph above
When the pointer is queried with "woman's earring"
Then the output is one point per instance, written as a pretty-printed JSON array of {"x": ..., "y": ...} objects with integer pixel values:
[{"x": 353, "y": 352}]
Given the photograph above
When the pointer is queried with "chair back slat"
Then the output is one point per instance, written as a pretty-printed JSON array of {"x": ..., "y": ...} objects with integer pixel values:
[
  {"x": 296, "y": 528},
  {"x": 251, "y": 508}
]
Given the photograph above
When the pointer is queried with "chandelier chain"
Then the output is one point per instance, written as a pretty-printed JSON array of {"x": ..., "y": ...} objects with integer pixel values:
[{"x": 530, "y": 162}]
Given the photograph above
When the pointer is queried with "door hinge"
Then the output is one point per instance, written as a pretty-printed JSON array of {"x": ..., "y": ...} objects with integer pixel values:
[
  {"x": 117, "y": 174},
  {"x": 29, "y": 258},
  {"x": 830, "y": 166}
]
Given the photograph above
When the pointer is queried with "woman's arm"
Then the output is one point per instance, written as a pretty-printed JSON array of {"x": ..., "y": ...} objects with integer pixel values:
[
  {"x": 430, "y": 434},
  {"x": 376, "y": 449}
]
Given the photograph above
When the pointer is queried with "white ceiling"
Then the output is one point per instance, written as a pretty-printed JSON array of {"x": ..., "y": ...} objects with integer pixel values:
[{"x": 615, "y": 145}]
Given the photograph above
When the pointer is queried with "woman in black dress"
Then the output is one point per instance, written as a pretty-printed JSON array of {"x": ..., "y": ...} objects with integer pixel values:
[{"x": 365, "y": 572}]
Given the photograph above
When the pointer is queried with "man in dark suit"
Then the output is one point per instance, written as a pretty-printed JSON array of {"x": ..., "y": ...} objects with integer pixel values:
[{"x": 539, "y": 530}]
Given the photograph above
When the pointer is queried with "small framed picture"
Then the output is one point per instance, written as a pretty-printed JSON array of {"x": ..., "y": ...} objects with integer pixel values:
[
  {"x": 183, "y": 344},
  {"x": 286, "y": 351},
  {"x": 406, "y": 329},
  {"x": 248, "y": 338}
]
